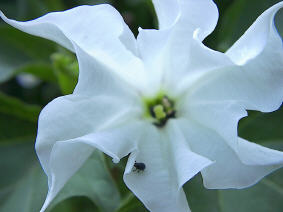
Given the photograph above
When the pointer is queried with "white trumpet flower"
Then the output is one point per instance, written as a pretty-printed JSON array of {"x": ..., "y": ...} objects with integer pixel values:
[{"x": 165, "y": 98}]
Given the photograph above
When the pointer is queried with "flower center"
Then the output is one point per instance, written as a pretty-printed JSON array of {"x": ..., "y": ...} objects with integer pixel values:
[{"x": 159, "y": 109}]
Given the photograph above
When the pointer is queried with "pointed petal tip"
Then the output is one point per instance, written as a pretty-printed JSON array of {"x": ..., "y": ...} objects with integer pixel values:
[
  {"x": 115, "y": 160},
  {"x": 4, "y": 18},
  {"x": 256, "y": 155},
  {"x": 254, "y": 40},
  {"x": 46, "y": 203}
]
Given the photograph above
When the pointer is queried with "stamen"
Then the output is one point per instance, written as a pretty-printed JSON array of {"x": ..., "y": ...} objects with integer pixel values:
[
  {"x": 159, "y": 112},
  {"x": 160, "y": 109}
]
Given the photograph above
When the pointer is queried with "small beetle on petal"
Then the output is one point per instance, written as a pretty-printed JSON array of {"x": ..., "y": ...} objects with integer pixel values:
[{"x": 139, "y": 167}]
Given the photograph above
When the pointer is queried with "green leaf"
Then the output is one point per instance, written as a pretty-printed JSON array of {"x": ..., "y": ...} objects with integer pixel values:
[
  {"x": 41, "y": 70},
  {"x": 27, "y": 9},
  {"x": 27, "y": 192},
  {"x": 93, "y": 181},
  {"x": 11, "y": 155},
  {"x": 131, "y": 203},
  {"x": 201, "y": 199},
  {"x": 262, "y": 127},
  {"x": 15, "y": 107},
  {"x": 138, "y": 13},
  {"x": 265, "y": 196},
  {"x": 279, "y": 22},
  {"x": 54, "y": 5},
  {"x": 16, "y": 130},
  {"x": 75, "y": 204},
  {"x": 23, "y": 184},
  {"x": 18, "y": 49},
  {"x": 67, "y": 70}
]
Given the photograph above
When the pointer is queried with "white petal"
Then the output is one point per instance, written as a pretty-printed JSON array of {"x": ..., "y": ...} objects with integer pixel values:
[
  {"x": 177, "y": 50},
  {"x": 96, "y": 79},
  {"x": 187, "y": 14},
  {"x": 167, "y": 12},
  {"x": 155, "y": 186},
  {"x": 152, "y": 46},
  {"x": 99, "y": 30},
  {"x": 184, "y": 62},
  {"x": 254, "y": 154},
  {"x": 185, "y": 162},
  {"x": 261, "y": 34},
  {"x": 63, "y": 144},
  {"x": 169, "y": 164},
  {"x": 256, "y": 84},
  {"x": 227, "y": 171},
  {"x": 68, "y": 156},
  {"x": 90, "y": 123},
  {"x": 201, "y": 62},
  {"x": 221, "y": 117},
  {"x": 65, "y": 160},
  {"x": 87, "y": 116}
]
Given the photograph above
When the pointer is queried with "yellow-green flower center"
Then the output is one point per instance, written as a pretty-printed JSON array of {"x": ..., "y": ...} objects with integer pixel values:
[{"x": 159, "y": 109}]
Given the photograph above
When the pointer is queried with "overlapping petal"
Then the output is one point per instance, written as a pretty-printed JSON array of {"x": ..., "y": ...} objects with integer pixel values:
[
  {"x": 85, "y": 25},
  {"x": 169, "y": 164},
  {"x": 185, "y": 63},
  {"x": 172, "y": 51},
  {"x": 96, "y": 79},
  {"x": 187, "y": 16},
  {"x": 227, "y": 171},
  {"x": 253, "y": 154},
  {"x": 261, "y": 34},
  {"x": 63, "y": 144},
  {"x": 222, "y": 117},
  {"x": 96, "y": 88},
  {"x": 219, "y": 99},
  {"x": 202, "y": 62},
  {"x": 95, "y": 116},
  {"x": 99, "y": 30},
  {"x": 185, "y": 162},
  {"x": 87, "y": 115},
  {"x": 67, "y": 156},
  {"x": 255, "y": 82}
]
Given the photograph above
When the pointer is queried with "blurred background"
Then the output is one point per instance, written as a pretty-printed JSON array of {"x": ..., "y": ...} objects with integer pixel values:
[{"x": 33, "y": 71}]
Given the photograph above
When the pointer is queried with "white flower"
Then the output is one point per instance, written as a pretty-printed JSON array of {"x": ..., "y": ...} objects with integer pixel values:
[{"x": 165, "y": 98}]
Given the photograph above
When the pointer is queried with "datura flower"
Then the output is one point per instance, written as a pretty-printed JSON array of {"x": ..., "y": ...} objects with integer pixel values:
[{"x": 164, "y": 98}]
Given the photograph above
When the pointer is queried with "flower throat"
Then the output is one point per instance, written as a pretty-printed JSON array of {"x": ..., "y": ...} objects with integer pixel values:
[{"x": 160, "y": 109}]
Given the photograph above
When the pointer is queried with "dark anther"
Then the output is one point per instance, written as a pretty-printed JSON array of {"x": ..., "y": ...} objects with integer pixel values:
[
  {"x": 152, "y": 112},
  {"x": 171, "y": 114},
  {"x": 160, "y": 123}
]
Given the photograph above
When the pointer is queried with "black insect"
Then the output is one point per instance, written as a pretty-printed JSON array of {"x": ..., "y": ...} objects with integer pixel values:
[{"x": 139, "y": 167}]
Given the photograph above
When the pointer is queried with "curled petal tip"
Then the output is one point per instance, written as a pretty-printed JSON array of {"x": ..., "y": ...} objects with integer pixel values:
[
  {"x": 2, "y": 15},
  {"x": 116, "y": 160}
]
